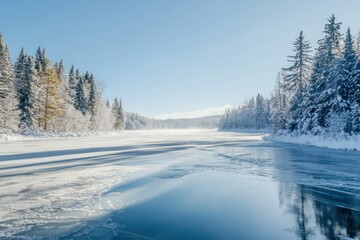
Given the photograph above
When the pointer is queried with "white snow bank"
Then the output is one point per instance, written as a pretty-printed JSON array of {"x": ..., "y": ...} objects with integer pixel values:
[
  {"x": 262, "y": 130},
  {"x": 29, "y": 135},
  {"x": 335, "y": 141}
]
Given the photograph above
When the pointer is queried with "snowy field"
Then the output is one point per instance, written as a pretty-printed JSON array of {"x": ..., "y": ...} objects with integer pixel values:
[{"x": 78, "y": 188}]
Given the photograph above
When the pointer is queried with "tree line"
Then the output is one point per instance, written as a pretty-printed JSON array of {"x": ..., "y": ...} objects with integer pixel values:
[
  {"x": 318, "y": 93},
  {"x": 255, "y": 114},
  {"x": 36, "y": 94}
]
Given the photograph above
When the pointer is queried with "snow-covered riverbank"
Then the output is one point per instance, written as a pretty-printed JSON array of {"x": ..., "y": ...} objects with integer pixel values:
[
  {"x": 339, "y": 141},
  {"x": 33, "y": 135}
]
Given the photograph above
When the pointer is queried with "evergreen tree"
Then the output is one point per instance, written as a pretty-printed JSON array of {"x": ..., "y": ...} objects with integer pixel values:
[
  {"x": 8, "y": 99},
  {"x": 39, "y": 60},
  {"x": 87, "y": 84},
  {"x": 321, "y": 86},
  {"x": 26, "y": 104},
  {"x": 121, "y": 115},
  {"x": 261, "y": 114},
  {"x": 279, "y": 104},
  {"x": 341, "y": 99},
  {"x": 332, "y": 41},
  {"x": 35, "y": 89},
  {"x": 118, "y": 113},
  {"x": 72, "y": 84},
  {"x": 63, "y": 84},
  {"x": 358, "y": 44},
  {"x": 80, "y": 101},
  {"x": 20, "y": 70},
  {"x": 297, "y": 75},
  {"x": 355, "y": 96},
  {"x": 93, "y": 103},
  {"x": 296, "y": 79}
]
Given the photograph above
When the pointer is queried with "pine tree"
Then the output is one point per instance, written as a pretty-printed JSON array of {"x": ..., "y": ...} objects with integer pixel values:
[
  {"x": 358, "y": 44},
  {"x": 63, "y": 83},
  {"x": 332, "y": 41},
  {"x": 8, "y": 99},
  {"x": 297, "y": 75},
  {"x": 26, "y": 106},
  {"x": 121, "y": 115},
  {"x": 355, "y": 96},
  {"x": 80, "y": 101},
  {"x": 296, "y": 80},
  {"x": 118, "y": 113},
  {"x": 20, "y": 70},
  {"x": 87, "y": 84},
  {"x": 341, "y": 99},
  {"x": 72, "y": 84},
  {"x": 93, "y": 103},
  {"x": 22, "y": 90},
  {"x": 279, "y": 104},
  {"x": 38, "y": 60},
  {"x": 261, "y": 117},
  {"x": 321, "y": 86},
  {"x": 35, "y": 89}
]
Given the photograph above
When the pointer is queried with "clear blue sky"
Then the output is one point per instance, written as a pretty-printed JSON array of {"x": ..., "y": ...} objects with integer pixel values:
[{"x": 168, "y": 56}]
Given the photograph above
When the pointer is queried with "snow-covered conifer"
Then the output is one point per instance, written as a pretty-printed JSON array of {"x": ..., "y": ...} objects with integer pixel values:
[
  {"x": 80, "y": 101},
  {"x": 297, "y": 74},
  {"x": 8, "y": 98}
]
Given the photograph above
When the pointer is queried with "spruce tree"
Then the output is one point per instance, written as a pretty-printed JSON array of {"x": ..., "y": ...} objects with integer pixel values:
[
  {"x": 72, "y": 84},
  {"x": 20, "y": 70},
  {"x": 118, "y": 113},
  {"x": 297, "y": 75},
  {"x": 260, "y": 113},
  {"x": 80, "y": 101},
  {"x": 341, "y": 98},
  {"x": 121, "y": 115},
  {"x": 279, "y": 104},
  {"x": 38, "y": 60},
  {"x": 321, "y": 86},
  {"x": 8, "y": 98},
  {"x": 93, "y": 103},
  {"x": 87, "y": 84},
  {"x": 296, "y": 79},
  {"x": 26, "y": 106},
  {"x": 355, "y": 97},
  {"x": 332, "y": 41}
]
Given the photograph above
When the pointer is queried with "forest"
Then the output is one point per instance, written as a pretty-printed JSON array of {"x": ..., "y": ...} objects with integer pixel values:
[
  {"x": 317, "y": 94},
  {"x": 38, "y": 95}
]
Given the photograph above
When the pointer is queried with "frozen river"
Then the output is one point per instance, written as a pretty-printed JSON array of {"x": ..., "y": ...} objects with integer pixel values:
[{"x": 177, "y": 185}]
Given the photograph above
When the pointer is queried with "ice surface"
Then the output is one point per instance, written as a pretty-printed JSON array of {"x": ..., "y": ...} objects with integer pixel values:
[{"x": 50, "y": 187}]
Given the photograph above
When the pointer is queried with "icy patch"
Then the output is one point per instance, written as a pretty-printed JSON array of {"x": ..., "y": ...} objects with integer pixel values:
[{"x": 58, "y": 201}]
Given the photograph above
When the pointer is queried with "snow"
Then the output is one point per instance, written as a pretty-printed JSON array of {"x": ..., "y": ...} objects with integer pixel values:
[
  {"x": 37, "y": 134},
  {"x": 59, "y": 181},
  {"x": 198, "y": 113},
  {"x": 334, "y": 141}
]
